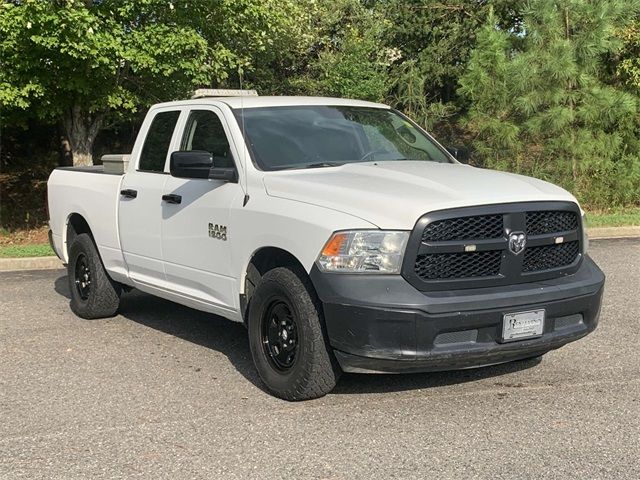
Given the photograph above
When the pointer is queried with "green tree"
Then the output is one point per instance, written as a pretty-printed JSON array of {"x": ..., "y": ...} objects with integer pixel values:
[
  {"x": 87, "y": 63},
  {"x": 542, "y": 104},
  {"x": 628, "y": 67},
  {"x": 347, "y": 57},
  {"x": 263, "y": 39},
  {"x": 434, "y": 40}
]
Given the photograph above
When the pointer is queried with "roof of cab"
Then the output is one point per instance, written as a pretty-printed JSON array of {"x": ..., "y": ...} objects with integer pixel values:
[{"x": 276, "y": 101}]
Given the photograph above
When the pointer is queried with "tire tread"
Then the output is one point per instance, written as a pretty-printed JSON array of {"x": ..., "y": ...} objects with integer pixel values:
[
  {"x": 320, "y": 371},
  {"x": 104, "y": 298}
]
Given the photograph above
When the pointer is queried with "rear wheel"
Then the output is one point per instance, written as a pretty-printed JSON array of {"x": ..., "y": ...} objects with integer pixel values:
[
  {"x": 286, "y": 337},
  {"x": 93, "y": 293}
]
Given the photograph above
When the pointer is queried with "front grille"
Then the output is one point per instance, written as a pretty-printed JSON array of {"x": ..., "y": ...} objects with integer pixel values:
[
  {"x": 469, "y": 247},
  {"x": 547, "y": 257},
  {"x": 464, "y": 228},
  {"x": 458, "y": 265},
  {"x": 541, "y": 222}
]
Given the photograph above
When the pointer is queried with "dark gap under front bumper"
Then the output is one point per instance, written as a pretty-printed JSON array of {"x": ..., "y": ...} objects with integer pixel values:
[{"x": 383, "y": 324}]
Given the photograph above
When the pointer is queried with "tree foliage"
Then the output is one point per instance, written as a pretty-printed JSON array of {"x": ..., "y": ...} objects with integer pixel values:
[
  {"x": 346, "y": 57},
  {"x": 549, "y": 88},
  {"x": 434, "y": 40},
  {"x": 87, "y": 63},
  {"x": 628, "y": 67},
  {"x": 83, "y": 62},
  {"x": 262, "y": 39},
  {"x": 542, "y": 104}
]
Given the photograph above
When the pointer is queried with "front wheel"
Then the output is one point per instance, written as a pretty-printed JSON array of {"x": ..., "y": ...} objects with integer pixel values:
[
  {"x": 286, "y": 337},
  {"x": 93, "y": 293}
]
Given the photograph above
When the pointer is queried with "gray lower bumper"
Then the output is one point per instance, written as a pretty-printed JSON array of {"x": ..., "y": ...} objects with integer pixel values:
[{"x": 383, "y": 324}]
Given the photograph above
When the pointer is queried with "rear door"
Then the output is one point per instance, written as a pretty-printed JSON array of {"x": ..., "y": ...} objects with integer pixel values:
[
  {"x": 196, "y": 233},
  {"x": 140, "y": 209}
]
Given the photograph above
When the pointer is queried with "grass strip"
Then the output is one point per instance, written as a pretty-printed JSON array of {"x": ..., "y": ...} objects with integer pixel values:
[{"x": 21, "y": 251}]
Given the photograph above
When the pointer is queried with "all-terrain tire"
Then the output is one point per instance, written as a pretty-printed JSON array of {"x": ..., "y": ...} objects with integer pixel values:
[
  {"x": 314, "y": 370},
  {"x": 93, "y": 293}
]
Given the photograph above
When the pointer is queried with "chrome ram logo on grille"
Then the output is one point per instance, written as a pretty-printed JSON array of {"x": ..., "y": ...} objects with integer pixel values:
[{"x": 517, "y": 242}]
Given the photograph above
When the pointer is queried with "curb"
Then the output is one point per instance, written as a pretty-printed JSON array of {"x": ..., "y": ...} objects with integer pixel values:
[
  {"x": 51, "y": 263},
  {"x": 601, "y": 233},
  {"x": 29, "y": 263}
]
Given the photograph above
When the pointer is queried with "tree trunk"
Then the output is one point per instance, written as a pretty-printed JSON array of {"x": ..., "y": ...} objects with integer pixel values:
[{"x": 81, "y": 129}]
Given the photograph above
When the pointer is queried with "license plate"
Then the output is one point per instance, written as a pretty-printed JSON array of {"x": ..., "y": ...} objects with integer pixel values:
[{"x": 521, "y": 325}]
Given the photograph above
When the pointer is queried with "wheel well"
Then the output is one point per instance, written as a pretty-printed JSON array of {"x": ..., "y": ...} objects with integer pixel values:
[
  {"x": 263, "y": 260},
  {"x": 268, "y": 258},
  {"x": 76, "y": 225}
]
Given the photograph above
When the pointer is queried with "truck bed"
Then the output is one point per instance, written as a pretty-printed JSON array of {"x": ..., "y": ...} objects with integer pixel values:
[
  {"x": 90, "y": 169},
  {"x": 93, "y": 194},
  {"x": 87, "y": 169}
]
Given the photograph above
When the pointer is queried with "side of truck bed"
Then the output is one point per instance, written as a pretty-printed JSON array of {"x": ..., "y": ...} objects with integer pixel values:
[{"x": 86, "y": 195}]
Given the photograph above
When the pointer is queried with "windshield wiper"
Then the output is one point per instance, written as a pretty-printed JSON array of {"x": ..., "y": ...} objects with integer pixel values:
[
  {"x": 323, "y": 164},
  {"x": 297, "y": 166}
]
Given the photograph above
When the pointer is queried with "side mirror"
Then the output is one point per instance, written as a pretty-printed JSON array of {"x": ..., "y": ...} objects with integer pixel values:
[
  {"x": 199, "y": 164},
  {"x": 192, "y": 164},
  {"x": 459, "y": 153}
]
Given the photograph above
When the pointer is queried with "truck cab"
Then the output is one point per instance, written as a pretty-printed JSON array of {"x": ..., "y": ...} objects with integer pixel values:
[{"x": 341, "y": 233}]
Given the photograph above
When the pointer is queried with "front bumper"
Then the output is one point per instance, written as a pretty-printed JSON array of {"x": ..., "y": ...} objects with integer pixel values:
[{"x": 383, "y": 324}]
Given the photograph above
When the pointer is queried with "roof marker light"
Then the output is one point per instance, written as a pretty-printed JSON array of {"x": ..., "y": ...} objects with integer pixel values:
[{"x": 221, "y": 92}]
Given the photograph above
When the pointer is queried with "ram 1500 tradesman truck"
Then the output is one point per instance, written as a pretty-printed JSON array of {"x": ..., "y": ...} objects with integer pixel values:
[{"x": 340, "y": 232}]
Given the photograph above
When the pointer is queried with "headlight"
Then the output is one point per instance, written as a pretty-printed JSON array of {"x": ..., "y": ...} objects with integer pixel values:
[
  {"x": 364, "y": 251},
  {"x": 585, "y": 237}
]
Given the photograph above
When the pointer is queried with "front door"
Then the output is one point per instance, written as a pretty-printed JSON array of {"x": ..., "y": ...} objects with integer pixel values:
[
  {"x": 140, "y": 208},
  {"x": 196, "y": 232}
]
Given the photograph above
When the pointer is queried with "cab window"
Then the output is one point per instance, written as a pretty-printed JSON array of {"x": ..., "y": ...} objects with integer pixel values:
[
  {"x": 204, "y": 131},
  {"x": 156, "y": 145}
]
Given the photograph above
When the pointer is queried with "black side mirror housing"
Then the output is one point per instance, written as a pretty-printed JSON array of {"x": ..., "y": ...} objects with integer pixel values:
[
  {"x": 199, "y": 164},
  {"x": 191, "y": 164},
  {"x": 461, "y": 154}
]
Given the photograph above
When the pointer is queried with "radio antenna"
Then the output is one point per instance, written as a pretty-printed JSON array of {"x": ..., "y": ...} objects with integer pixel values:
[{"x": 244, "y": 144}]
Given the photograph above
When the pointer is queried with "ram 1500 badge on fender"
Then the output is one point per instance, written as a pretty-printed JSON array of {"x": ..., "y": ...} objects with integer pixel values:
[{"x": 342, "y": 234}]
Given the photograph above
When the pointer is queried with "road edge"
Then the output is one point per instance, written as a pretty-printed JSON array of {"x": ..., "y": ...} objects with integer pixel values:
[
  {"x": 29, "y": 263},
  {"x": 603, "y": 233},
  {"x": 51, "y": 263}
]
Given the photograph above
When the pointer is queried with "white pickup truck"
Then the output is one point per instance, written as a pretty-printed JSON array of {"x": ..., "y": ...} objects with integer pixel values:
[{"x": 341, "y": 233}]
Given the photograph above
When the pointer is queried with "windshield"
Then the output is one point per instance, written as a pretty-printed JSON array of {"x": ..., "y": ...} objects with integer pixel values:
[{"x": 324, "y": 136}]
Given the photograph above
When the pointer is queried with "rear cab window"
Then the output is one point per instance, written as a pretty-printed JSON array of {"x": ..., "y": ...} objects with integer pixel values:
[{"x": 157, "y": 143}]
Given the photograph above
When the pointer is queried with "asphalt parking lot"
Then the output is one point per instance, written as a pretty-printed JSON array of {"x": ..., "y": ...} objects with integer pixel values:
[{"x": 162, "y": 391}]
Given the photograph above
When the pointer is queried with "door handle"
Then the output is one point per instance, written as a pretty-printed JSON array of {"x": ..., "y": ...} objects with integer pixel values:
[
  {"x": 128, "y": 193},
  {"x": 172, "y": 198}
]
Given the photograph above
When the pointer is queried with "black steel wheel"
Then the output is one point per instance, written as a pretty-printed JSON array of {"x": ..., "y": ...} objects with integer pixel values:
[
  {"x": 93, "y": 293},
  {"x": 280, "y": 335},
  {"x": 83, "y": 276},
  {"x": 287, "y": 339}
]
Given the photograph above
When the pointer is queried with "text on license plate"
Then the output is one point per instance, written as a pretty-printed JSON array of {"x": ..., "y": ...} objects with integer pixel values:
[{"x": 521, "y": 325}]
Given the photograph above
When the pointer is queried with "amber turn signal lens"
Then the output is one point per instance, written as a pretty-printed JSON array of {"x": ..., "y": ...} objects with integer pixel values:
[{"x": 334, "y": 246}]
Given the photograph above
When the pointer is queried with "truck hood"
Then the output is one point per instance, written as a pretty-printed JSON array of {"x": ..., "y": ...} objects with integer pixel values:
[{"x": 393, "y": 195}]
